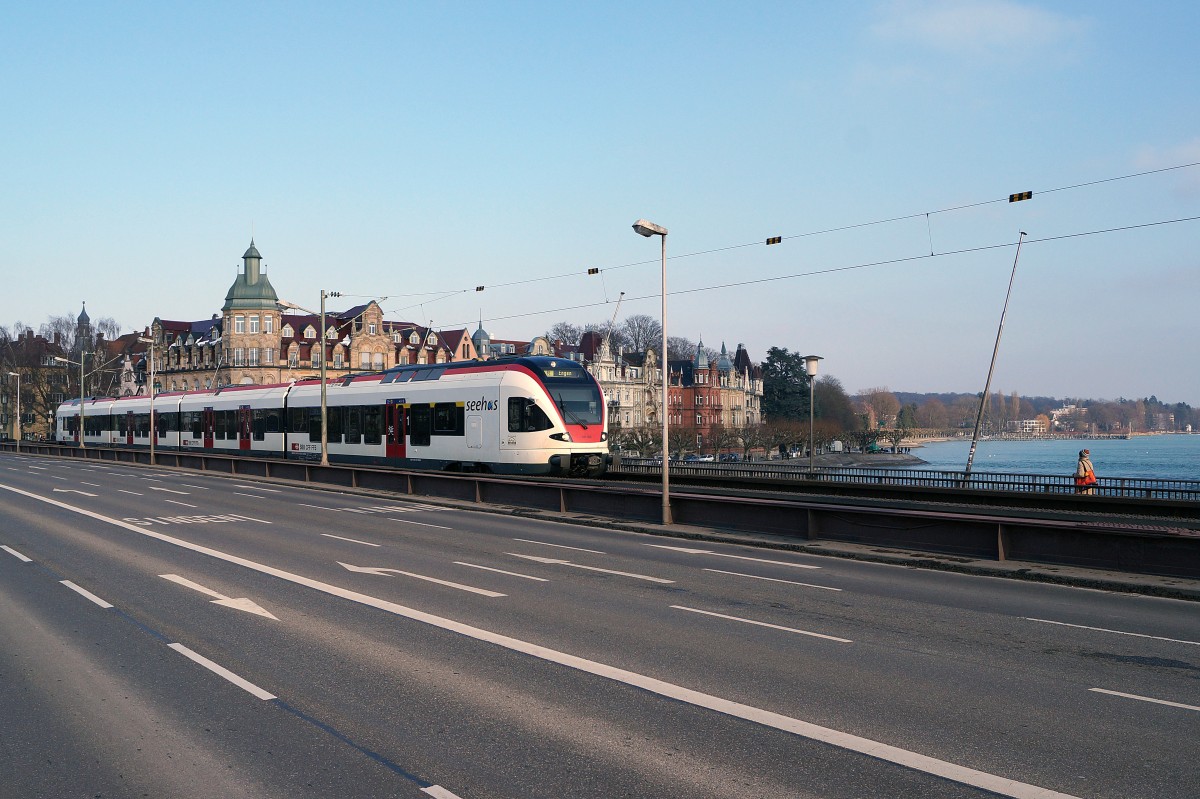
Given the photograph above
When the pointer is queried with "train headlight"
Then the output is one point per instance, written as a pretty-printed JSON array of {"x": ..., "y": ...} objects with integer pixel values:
[{"x": 561, "y": 436}]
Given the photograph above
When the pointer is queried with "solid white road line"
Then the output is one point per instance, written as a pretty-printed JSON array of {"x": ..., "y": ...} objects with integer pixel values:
[
  {"x": 136, "y": 494},
  {"x": 57, "y": 477},
  {"x": 501, "y": 571},
  {"x": 559, "y": 546},
  {"x": 16, "y": 554},
  {"x": 559, "y": 562},
  {"x": 189, "y": 485},
  {"x": 1116, "y": 632},
  {"x": 422, "y": 524},
  {"x": 83, "y": 592},
  {"x": 690, "y": 551},
  {"x": 773, "y": 579},
  {"x": 184, "y": 504},
  {"x": 1145, "y": 699},
  {"x": 351, "y": 540},
  {"x": 1002, "y": 786},
  {"x": 258, "y": 488},
  {"x": 93, "y": 485},
  {"x": 245, "y": 685},
  {"x": 764, "y": 624},
  {"x": 318, "y": 507},
  {"x": 243, "y": 494}
]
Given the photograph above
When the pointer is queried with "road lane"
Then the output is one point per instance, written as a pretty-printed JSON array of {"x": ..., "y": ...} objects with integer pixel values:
[{"x": 961, "y": 671}]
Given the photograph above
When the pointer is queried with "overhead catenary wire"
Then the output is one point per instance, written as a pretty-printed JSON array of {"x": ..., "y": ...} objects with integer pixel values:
[
  {"x": 847, "y": 268},
  {"x": 837, "y": 229}
]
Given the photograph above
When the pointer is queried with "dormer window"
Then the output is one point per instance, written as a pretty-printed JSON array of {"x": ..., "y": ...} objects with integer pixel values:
[
  {"x": 414, "y": 338},
  {"x": 432, "y": 340},
  {"x": 287, "y": 332},
  {"x": 331, "y": 333},
  {"x": 395, "y": 338},
  {"x": 310, "y": 332}
]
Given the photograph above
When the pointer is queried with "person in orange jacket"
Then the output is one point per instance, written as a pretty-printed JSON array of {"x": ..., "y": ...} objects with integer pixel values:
[{"x": 1085, "y": 474}]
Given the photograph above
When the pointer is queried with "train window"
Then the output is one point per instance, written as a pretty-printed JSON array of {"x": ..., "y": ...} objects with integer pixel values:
[
  {"x": 336, "y": 424},
  {"x": 524, "y": 416},
  {"x": 299, "y": 420},
  {"x": 432, "y": 373},
  {"x": 372, "y": 424},
  {"x": 419, "y": 418},
  {"x": 448, "y": 419},
  {"x": 314, "y": 424},
  {"x": 354, "y": 424},
  {"x": 258, "y": 424}
]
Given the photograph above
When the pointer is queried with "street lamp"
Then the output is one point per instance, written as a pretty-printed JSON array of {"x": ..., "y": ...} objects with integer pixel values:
[
  {"x": 18, "y": 376},
  {"x": 82, "y": 359},
  {"x": 153, "y": 421},
  {"x": 648, "y": 229},
  {"x": 810, "y": 368},
  {"x": 324, "y": 404}
]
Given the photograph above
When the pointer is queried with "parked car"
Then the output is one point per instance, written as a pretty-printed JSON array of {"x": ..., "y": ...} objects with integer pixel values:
[
  {"x": 728, "y": 457},
  {"x": 692, "y": 459},
  {"x": 706, "y": 458}
]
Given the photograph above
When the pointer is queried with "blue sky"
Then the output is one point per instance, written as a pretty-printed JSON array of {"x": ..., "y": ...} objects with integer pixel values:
[{"x": 416, "y": 151}]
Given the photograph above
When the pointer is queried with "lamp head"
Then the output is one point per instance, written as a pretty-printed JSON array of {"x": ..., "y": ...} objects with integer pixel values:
[
  {"x": 810, "y": 364},
  {"x": 647, "y": 228}
]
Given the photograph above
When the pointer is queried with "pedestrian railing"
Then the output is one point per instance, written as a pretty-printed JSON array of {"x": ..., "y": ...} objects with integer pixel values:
[{"x": 1129, "y": 487}]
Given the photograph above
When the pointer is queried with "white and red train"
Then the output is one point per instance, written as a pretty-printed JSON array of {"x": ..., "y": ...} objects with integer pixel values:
[{"x": 525, "y": 415}]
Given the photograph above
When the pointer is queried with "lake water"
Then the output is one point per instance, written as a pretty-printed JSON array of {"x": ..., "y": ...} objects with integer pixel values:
[{"x": 1167, "y": 457}]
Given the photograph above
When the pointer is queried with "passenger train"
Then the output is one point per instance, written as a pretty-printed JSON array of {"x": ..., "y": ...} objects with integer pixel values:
[{"x": 523, "y": 415}]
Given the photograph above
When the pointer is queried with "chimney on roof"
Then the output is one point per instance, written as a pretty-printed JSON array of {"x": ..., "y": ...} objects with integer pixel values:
[{"x": 57, "y": 338}]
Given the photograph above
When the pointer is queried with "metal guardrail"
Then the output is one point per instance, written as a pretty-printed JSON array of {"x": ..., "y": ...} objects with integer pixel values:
[
  {"x": 1124, "y": 487},
  {"x": 1092, "y": 540}
]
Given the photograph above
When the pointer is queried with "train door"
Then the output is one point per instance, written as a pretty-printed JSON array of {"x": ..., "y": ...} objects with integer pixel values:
[
  {"x": 394, "y": 422},
  {"x": 129, "y": 428},
  {"x": 209, "y": 428},
  {"x": 244, "y": 427}
]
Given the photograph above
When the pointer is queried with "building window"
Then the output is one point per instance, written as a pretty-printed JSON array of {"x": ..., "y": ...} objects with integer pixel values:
[
  {"x": 269, "y": 356},
  {"x": 239, "y": 324},
  {"x": 337, "y": 358},
  {"x": 371, "y": 328},
  {"x": 414, "y": 338},
  {"x": 268, "y": 324},
  {"x": 293, "y": 358},
  {"x": 364, "y": 360},
  {"x": 377, "y": 360},
  {"x": 253, "y": 324},
  {"x": 316, "y": 359},
  {"x": 395, "y": 338},
  {"x": 253, "y": 356},
  {"x": 310, "y": 332},
  {"x": 287, "y": 332},
  {"x": 239, "y": 356},
  {"x": 331, "y": 333}
]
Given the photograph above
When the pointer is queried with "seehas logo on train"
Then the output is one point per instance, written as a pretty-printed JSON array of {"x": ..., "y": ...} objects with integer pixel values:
[
  {"x": 482, "y": 405},
  {"x": 298, "y": 447}
]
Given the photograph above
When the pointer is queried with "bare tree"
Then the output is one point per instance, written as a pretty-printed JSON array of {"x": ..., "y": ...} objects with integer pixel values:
[
  {"x": 565, "y": 332},
  {"x": 881, "y": 403},
  {"x": 753, "y": 437},
  {"x": 680, "y": 348},
  {"x": 642, "y": 332}
]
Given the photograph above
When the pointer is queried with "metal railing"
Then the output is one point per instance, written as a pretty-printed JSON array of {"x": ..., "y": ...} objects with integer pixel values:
[{"x": 1125, "y": 487}]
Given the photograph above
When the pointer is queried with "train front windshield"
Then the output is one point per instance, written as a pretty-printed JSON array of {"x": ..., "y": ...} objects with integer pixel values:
[{"x": 575, "y": 393}]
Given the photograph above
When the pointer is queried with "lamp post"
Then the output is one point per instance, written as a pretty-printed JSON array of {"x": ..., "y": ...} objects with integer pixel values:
[
  {"x": 648, "y": 229},
  {"x": 810, "y": 368},
  {"x": 324, "y": 405},
  {"x": 153, "y": 421},
  {"x": 82, "y": 359},
  {"x": 18, "y": 376}
]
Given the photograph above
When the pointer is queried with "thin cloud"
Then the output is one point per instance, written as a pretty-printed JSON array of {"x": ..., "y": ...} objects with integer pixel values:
[
  {"x": 1151, "y": 157},
  {"x": 976, "y": 28}
]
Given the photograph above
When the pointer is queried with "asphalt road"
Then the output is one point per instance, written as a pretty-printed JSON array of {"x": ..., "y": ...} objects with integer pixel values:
[{"x": 175, "y": 634}]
